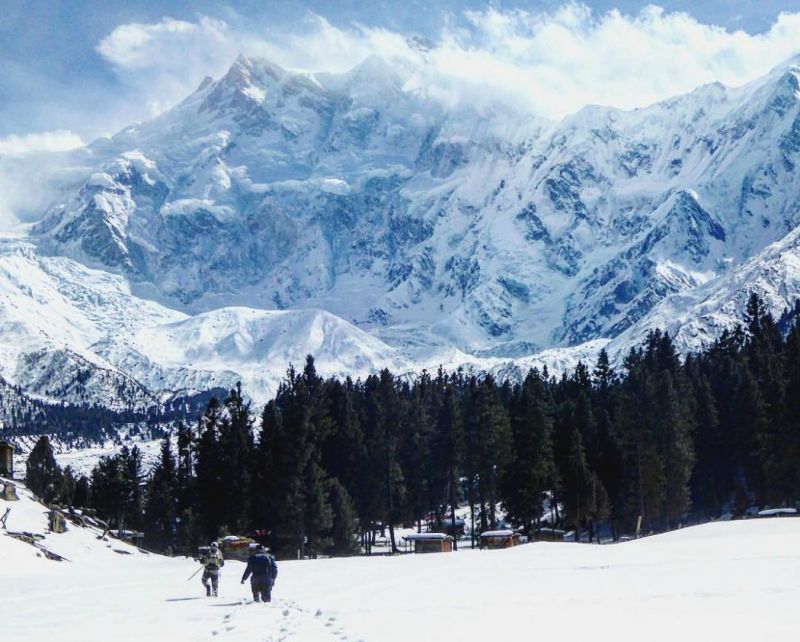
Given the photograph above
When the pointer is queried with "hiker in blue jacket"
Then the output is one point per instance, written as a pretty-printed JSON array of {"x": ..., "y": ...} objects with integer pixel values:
[{"x": 264, "y": 570}]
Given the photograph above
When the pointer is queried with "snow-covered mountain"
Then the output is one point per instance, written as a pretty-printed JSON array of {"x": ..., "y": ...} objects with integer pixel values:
[{"x": 356, "y": 217}]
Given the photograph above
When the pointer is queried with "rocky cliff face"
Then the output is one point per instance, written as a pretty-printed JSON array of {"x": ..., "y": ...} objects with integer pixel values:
[{"x": 424, "y": 233}]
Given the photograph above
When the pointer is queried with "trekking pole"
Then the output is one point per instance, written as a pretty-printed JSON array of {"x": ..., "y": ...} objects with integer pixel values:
[{"x": 195, "y": 573}]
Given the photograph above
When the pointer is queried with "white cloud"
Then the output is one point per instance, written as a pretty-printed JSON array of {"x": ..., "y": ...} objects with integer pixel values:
[
  {"x": 56, "y": 141},
  {"x": 142, "y": 46},
  {"x": 545, "y": 63},
  {"x": 28, "y": 180},
  {"x": 166, "y": 60}
]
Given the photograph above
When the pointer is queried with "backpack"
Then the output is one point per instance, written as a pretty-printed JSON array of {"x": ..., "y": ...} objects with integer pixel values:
[
  {"x": 273, "y": 568},
  {"x": 213, "y": 561}
]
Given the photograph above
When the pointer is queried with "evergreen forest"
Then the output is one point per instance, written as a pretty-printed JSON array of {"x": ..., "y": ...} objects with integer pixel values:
[{"x": 659, "y": 442}]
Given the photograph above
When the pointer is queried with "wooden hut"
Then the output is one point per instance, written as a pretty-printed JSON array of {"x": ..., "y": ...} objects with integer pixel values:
[
  {"x": 447, "y": 527},
  {"x": 132, "y": 537},
  {"x": 499, "y": 539},
  {"x": 235, "y": 547},
  {"x": 6, "y": 459},
  {"x": 430, "y": 542},
  {"x": 548, "y": 535}
]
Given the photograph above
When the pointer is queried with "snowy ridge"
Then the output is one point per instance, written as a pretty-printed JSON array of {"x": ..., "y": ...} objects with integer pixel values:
[{"x": 354, "y": 217}]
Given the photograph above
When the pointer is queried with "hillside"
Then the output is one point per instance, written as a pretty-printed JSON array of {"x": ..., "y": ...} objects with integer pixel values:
[
  {"x": 723, "y": 581},
  {"x": 274, "y": 213}
]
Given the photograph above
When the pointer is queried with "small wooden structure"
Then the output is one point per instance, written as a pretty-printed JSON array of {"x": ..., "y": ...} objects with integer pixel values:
[
  {"x": 447, "y": 526},
  {"x": 6, "y": 459},
  {"x": 235, "y": 547},
  {"x": 499, "y": 539},
  {"x": 132, "y": 537},
  {"x": 548, "y": 535},
  {"x": 430, "y": 542}
]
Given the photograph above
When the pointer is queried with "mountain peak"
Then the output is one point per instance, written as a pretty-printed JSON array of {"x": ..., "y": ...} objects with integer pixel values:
[
  {"x": 246, "y": 72},
  {"x": 204, "y": 83}
]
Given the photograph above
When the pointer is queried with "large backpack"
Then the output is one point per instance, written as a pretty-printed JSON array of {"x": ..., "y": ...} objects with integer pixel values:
[{"x": 273, "y": 568}]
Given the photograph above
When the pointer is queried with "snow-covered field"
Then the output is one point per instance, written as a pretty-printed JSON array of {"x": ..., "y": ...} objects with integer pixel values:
[{"x": 725, "y": 581}]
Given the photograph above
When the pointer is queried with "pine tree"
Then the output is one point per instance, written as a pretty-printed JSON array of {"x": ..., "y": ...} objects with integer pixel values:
[
  {"x": 82, "y": 497},
  {"x": 43, "y": 475},
  {"x": 381, "y": 423},
  {"x": 116, "y": 488},
  {"x": 642, "y": 486},
  {"x": 449, "y": 450},
  {"x": 344, "y": 523},
  {"x": 423, "y": 474},
  {"x": 674, "y": 425},
  {"x": 343, "y": 448},
  {"x": 211, "y": 495},
  {"x": 708, "y": 479},
  {"x": 234, "y": 458},
  {"x": 532, "y": 470},
  {"x": 68, "y": 486},
  {"x": 494, "y": 449},
  {"x": 576, "y": 479},
  {"x": 160, "y": 517},
  {"x": 133, "y": 482},
  {"x": 295, "y": 502}
]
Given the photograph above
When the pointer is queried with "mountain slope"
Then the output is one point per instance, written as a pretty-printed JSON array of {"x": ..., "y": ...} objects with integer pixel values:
[{"x": 422, "y": 231}]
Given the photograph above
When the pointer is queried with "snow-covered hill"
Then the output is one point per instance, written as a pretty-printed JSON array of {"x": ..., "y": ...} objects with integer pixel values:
[
  {"x": 732, "y": 581},
  {"x": 358, "y": 218}
]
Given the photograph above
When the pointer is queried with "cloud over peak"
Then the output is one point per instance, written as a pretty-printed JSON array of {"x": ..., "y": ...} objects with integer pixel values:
[
  {"x": 56, "y": 141},
  {"x": 545, "y": 63}
]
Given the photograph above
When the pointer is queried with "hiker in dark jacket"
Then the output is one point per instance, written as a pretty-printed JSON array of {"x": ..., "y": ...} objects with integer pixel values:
[{"x": 264, "y": 570}]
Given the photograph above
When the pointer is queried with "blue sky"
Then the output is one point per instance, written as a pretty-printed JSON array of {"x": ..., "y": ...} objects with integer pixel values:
[{"x": 56, "y": 75}]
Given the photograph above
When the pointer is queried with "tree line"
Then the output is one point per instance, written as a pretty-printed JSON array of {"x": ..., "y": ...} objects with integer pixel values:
[
  {"x": 82, "y": 425},
  {"x": 659, "y": 443}
]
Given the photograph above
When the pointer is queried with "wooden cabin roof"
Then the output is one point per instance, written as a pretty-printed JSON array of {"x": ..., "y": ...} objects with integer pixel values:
[
  {"x": 499, "y": 533},
  {"x": 426, "y": 536}
]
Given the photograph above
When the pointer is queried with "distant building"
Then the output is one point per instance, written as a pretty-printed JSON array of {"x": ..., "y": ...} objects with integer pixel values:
[
  {"x": 6, "y": 459},
  {"x": 447, "y": 527},
  {"x": 234, "y": 547},
  {"x": 430, "y": 542},
  {"x": 132, "y": 537},
  {"x": 548, "y": 535},
  {"x": 499, "y": 539}
]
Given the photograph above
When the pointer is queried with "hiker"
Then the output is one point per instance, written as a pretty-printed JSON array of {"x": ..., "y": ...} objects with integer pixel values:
[
  {"x": 264, "y": 570},
  {"x": 212, "y": 561}
]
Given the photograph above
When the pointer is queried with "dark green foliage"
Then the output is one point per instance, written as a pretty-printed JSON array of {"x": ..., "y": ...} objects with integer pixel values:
[
  {"x": 82, "y": 425},
  {"x": 42, "y": 474},
  {"x": 211, "y": 496},
  {"x": 161, "y": 512},
  {"x": 83, "y": 492},
  {"x": 117, "y": 489},
  {"x": 492, "y": 453},
  {"x": 344, "y": 525},
  {"x": 291, "y": 502},
  {"x": 660, "y": 441},
  {"x": 532, "y": 472}
]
